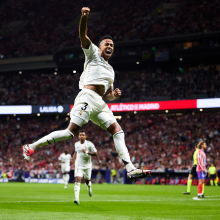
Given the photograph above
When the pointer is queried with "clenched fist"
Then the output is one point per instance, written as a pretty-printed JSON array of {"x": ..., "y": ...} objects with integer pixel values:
[
  {"x": 117, "y": 93},
  {"x": 85, "y": 11}
]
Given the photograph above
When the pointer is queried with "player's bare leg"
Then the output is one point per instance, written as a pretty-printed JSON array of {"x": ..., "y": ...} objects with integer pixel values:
[
  {"x": 89, "y": 187},
  {"x": 119, "y": 141},
  {"x": 51, "y": 138},
  {"x": 77, "y": 189}
]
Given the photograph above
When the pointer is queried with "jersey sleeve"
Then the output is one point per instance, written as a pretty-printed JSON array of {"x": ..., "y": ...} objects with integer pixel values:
[
  {"x": 92, "y": 147},
  {"x": 60, "y": 157},
  {"x": 89, "y": 53}
]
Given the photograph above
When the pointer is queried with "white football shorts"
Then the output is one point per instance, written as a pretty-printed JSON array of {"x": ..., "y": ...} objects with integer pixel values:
[
  {"x": 86, "y": 173},
  {"x": 89, "y": 105},
  {"x": 65, "y": 168}
]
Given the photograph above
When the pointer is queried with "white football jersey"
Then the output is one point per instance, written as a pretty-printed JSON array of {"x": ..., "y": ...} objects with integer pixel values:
[
  {"x": 83, "y": 160},
  {"x": 97, "y": 71},
  {"x": 65, "y": 158}
]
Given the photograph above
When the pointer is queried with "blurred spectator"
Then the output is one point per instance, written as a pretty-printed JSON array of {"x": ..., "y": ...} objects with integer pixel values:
[
  {"x": 99, "y": 177},
  {"x": 177, "y": 181},
  {"x": 4, "y": 175},
  {"x": 113, "y": 174},
  {"x": 157, "y": 182},
  {"x": 19, "y": 175},
  {"x": 166, "y": 174}
]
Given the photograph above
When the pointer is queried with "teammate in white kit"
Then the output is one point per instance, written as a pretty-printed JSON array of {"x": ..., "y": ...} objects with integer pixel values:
[
  {"x": 64, "y": 159},
  {"x": 96, "y": 81},
  {"x": 83, "y": 165}
]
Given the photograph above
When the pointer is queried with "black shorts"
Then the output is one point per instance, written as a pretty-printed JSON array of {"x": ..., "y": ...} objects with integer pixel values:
[
  {"x": 213, "y": 176},
  {"x": 193, "y": 171}
]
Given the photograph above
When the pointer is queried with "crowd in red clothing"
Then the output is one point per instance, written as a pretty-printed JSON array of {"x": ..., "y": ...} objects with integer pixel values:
[{"x": 154, "y": 141}]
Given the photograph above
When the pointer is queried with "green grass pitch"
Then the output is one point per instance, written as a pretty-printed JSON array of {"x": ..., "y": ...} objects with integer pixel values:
[{"x": 109, "y": 202}]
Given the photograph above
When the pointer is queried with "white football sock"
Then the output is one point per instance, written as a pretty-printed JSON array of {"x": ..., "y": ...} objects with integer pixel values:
[
  {"x": 77, "y": 189},
  {"x": 119, "y": 140},
  {"x": 64, "y": 178},
  {"x": 52, "y": 138},
  {"x": 67, "y": 178},
  {"x": 89, "y": 185}
]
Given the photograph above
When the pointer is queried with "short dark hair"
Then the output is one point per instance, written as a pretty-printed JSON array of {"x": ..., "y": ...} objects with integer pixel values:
[
  {"x": 82, "y": 131},
  {"x": 105, "y": 37}
]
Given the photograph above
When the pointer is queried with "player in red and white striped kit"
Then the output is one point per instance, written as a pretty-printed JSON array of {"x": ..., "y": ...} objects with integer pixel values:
[{"x": 201, "y": 167}]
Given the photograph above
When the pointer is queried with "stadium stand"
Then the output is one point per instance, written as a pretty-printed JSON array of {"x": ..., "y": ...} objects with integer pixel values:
[
  {"x": 153, "y": 141},
  {"x": 37, "y": 27},
  {"x": 151, "y": 85}
]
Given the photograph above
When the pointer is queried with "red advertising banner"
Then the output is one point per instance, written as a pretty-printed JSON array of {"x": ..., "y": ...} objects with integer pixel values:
[{"x": 152, "y": 106}]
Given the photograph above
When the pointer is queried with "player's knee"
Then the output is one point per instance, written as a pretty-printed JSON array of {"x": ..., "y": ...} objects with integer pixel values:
[
  {"x": 73, "y": 128},
  {"x": 78, "y": 179},
  {"x": 114, "y": 128}
]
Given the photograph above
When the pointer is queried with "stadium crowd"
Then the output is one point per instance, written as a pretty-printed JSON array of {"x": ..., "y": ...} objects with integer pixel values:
[
  {"x": 154, "y": 142},
  {"x": 151, "y": 85},
  {"x": 197, "y": 16},
  {"x": 30, "y": 28},
  {"x": 41, "y": 27},
  {"x": 36, "y": 89}
]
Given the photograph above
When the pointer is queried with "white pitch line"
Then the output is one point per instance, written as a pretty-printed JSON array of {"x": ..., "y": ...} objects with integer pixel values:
[
  {"x": 148, "y": 200},
  {"x": 204, "y": 199},
  {"x": 86, "y": 201},
  {"x": 196, "y": 198},
  {"x": 213, "y": 196}
]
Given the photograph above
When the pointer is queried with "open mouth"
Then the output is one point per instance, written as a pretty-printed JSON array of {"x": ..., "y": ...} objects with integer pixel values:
[{"x": 108, "y": 52}]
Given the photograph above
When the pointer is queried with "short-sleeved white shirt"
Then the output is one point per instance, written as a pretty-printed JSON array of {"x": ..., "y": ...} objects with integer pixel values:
[
  {"x": 65, "y": 158},
  {"x": 97, "y": 71},
  {"x": 83, "y": 160}
]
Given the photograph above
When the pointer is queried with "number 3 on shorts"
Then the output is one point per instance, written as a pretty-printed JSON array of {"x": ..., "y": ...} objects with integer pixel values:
[{"x": 84, "y": 108}]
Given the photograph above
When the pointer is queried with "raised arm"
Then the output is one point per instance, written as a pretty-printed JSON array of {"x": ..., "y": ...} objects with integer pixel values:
[
  {"x": 85, "y": 41},
  {"x": 112, "y": 94}
]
